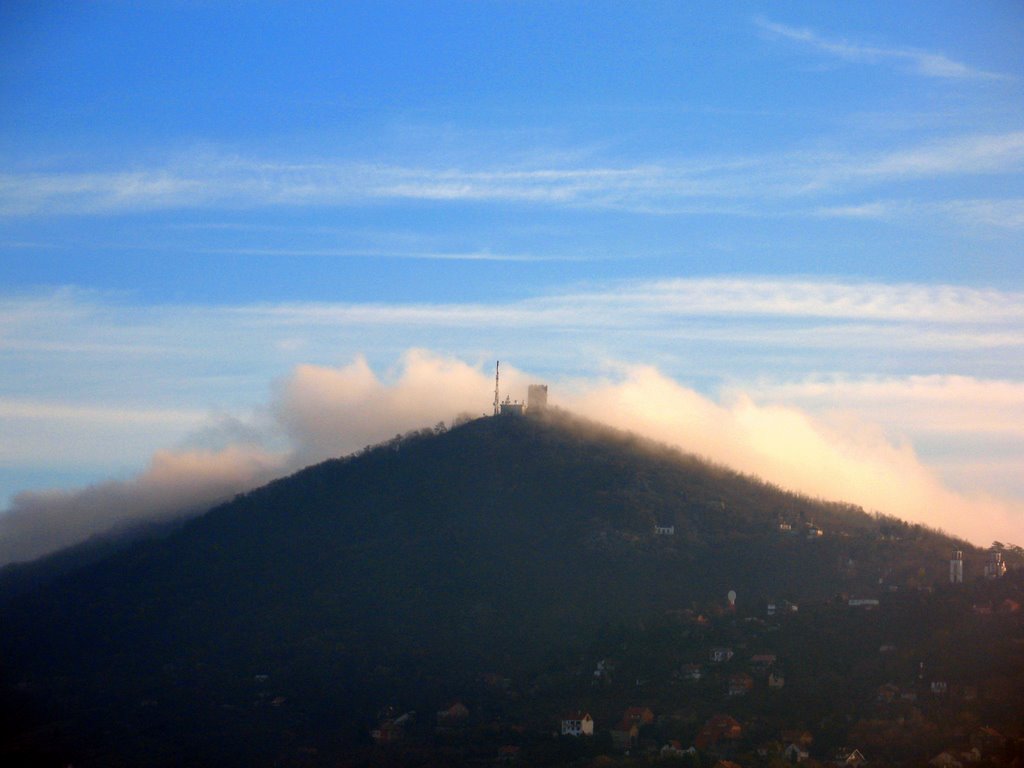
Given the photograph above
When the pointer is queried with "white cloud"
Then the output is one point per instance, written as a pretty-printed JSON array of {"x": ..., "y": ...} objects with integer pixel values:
[
  {"x": 323, "y": 411},
  {"x": 173, "y": 484},
  {"x": 924, "y": 63},
  {"x": 788, "y": 446},
  {"x": 935, "y": 367}
]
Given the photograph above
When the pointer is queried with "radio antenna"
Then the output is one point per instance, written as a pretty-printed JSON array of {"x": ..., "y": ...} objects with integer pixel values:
[{"x": 497, "y": 371}]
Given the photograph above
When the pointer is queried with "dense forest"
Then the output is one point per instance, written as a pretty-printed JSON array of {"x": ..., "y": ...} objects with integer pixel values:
[{"x": 523, "y": 567}]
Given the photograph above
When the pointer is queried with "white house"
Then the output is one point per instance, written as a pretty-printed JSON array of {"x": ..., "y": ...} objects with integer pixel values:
[{"x": 578, "y": 724}]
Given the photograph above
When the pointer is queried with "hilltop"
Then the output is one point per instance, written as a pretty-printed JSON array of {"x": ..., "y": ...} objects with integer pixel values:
[{"x": 401, "y": 575}]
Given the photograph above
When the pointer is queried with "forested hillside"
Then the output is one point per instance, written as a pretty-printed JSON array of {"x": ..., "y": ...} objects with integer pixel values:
[{"x": 507, "y": 546}]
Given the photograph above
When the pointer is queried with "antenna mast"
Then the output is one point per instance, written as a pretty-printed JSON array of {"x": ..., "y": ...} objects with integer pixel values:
[{"x": 497, "y": 370}]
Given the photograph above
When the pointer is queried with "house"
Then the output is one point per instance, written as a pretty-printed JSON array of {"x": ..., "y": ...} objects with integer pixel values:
[
  {"x": 691, "y": 672},
  {"x": 577, "y": 724},
  {"x": 776, "y": 680},
  {"x": 625, "y": 735},
  {"x": 603, "y": 671},
  {"x": 508, "y": 753},
  {"x": 392, "y": 730},
  {"x": 674, "y": 748},
  {"x": 740, "y": 684},
  {"x": 720, "y": 654},
  {"x": 800, "y": 738},
  {"x": 988, "y": 740},
  {"x": 639, "y": 715},
  {"x": 496, "y": 681},
  {"x": 1008, "y": 606},
  {"x": 973, "y": 755},
  {"x": 945, "y": 760},
  {"x": 455, "y": 713},
  {"x": 862, "y": 602},
  {"x": 717, "y": 729},
  {"x": 795, "y": 753},
  {"x": 939, "y": 687},
  {"x": 887, "y": 693},
  {"x": 761, "y": 663},
  {"x": 664, "y": 530},
  {"x": 850, "y": 758}
]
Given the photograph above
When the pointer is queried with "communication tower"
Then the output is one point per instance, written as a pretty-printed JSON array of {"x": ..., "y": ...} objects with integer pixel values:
[
  {"x": 956, "y": 567},
  {"x": 497, "y": 402}
]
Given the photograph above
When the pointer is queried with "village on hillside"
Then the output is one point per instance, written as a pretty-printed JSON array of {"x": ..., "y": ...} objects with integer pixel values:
[{"x": 734, "y": 686}]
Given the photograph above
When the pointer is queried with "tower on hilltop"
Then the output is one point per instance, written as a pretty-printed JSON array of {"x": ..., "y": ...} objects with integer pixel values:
[
  {"x": 537, "y": 397},
  {"x": 956, "y": 567}
]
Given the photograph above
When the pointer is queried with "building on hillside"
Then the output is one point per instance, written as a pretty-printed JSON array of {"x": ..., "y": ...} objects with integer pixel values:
[
  {"x": 664, "y": 530},
  {"x": 945, "y": 760},
  {"x": 849, "y": 758},
  {"x": 690, "y": 672},
  {"x": 455, "y": 713},
  {"x": 718, "y": 729},
  {"x": 720, "y": 654},
  {"x": 802, "y": 738},
  {"x": 862, "y": 602},
  {"x": 740, "y": 684},
  {"x": 625, "y": 735},
  {"x": 995, "y": 567},
  {"x": 956, "y": 567},
  {"x": 762, "y": 663},
  {"x": 674, "y": 748},
  {"x": 795, "y": 753},
  {"x": 887, "y": 693},
  {"x": 776, "y": 679},
  {"x": 577, "y": 724},
  {"x": 508, "y": 753},
  {"x": 510, "y": 408},
  {"x": 640, "y": 715},
  {"x": 392, "y": 730}
]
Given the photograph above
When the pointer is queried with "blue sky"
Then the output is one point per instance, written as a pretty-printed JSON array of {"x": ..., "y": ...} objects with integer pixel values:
[{"x": 813, "y": 209}]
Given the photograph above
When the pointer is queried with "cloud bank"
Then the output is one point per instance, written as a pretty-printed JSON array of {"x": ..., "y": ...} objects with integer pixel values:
[{"x": 325, "y": 411}]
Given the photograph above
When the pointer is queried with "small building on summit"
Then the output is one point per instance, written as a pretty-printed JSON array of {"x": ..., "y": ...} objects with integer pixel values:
[{"x": 509, "y": 408}]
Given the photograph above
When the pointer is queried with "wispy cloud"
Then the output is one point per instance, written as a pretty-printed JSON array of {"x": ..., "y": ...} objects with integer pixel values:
[
  {"x": 1005, "y": 214},
  {"x": 482, "y": 255},
  {"x": 41, "y": 410},
  {"x": 921, "y": 62},
  {"x": 755, "y": 185}
]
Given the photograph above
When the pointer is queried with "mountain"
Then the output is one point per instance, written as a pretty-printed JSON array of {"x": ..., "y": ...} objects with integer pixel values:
[{"x": 400, "y": 576}]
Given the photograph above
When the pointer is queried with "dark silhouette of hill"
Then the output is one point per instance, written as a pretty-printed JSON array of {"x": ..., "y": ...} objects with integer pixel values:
[{"x": 406, "y": 571}]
